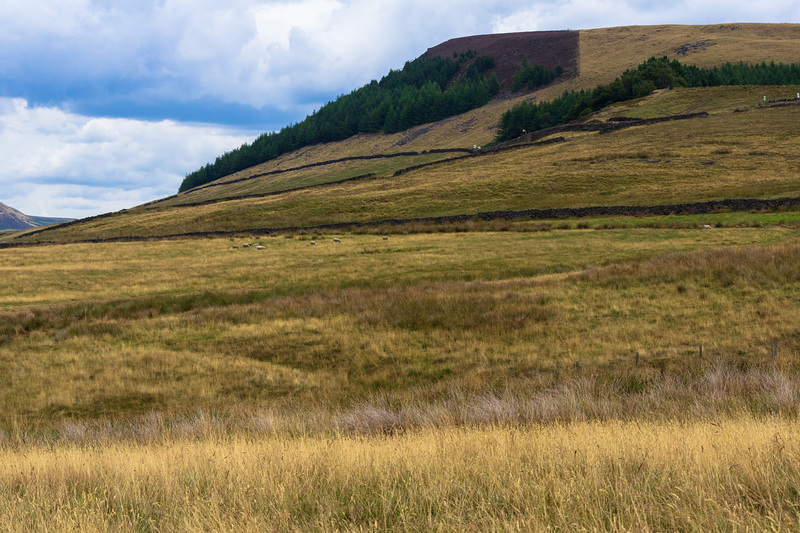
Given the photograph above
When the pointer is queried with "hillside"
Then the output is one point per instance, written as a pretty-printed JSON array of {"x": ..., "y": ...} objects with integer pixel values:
[
  {"x": 550, "y": 49},
  {"x": 13, "y": 219},
  {"x": 366, "y": 178},
  {"x": 592, "y": 327}
]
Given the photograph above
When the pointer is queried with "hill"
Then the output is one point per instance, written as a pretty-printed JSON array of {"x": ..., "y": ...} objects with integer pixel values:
[
  {"x": 375, "y": 176},
  {"x": 12, "y": 219},
  {"x": 507, "y": 359}
]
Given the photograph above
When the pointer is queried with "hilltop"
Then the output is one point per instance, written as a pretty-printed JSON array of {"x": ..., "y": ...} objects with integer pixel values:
[
  {"x": 13, "y": 219},
  {"x": 551, "y": 49}
]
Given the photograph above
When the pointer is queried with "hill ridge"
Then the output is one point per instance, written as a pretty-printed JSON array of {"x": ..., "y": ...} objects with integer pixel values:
[{"x": 553, "y": 177}]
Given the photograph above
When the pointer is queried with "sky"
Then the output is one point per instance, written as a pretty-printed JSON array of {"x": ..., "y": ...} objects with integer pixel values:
[{"x": 107, "y": 104}]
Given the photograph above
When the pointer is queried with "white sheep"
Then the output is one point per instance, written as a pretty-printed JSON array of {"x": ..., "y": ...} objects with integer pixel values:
[{"x": 706, "y": 226}]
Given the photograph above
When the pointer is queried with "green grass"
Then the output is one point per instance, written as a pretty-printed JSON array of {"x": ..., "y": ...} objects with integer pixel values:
[
  {"x": 118, "y": 330},
  {"x": 302, "y": 178}
]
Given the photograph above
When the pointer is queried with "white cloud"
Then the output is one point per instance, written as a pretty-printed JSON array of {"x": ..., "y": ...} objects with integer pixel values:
[
  {"x": 190, "y": 57},
  {"x": 586, "y": 14},
  {"x": 60, "y": 164},
  {"x": 267, "y": 53}
]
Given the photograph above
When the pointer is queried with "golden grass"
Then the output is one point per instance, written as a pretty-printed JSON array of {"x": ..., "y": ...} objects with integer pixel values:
[
  {"x": 606, "y": 53},
  {"x": 198, "y": 323},
  {"x": 716, "y": 475}
]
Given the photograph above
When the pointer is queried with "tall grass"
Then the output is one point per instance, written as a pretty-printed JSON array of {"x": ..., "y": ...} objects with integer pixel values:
[
  {"x": 717, "y": 475},
  {"x": 336, "y": 335}
]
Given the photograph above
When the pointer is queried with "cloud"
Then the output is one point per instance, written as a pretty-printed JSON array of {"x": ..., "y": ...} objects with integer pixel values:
[
  {"x": 127, "y": 58},
  {"x": 100, "y": 99},
  {"x": 586, "y": 14},
  {"x": 263, "y": 54},
  {"x": 87, "y": 165}
]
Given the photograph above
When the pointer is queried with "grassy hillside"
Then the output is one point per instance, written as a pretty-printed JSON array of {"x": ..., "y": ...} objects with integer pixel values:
[
  {"x": 600, "y": 373},
  {"x": 741, "y": 150},
  {"x": 743, "y": 164}
]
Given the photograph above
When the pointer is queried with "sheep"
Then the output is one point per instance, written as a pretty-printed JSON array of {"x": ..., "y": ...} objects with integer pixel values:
[
  {"x": 706, "y": 226},
  {"x": 386, "y": 238},
  {"x": 247, "y": 244},
  {"x": 259, "y": 247},
  {"x": 337, "y": 240},
  {"x": 235, "y": 247},
  {"x": 313, "y": 243}
]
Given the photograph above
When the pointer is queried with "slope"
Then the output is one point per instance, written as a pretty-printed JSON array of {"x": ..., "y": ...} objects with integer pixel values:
[
  {"x": 11, "y": 218},
  {"x": 308, "y": 187}
]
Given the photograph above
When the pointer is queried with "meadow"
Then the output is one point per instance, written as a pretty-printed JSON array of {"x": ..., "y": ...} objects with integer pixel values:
[
  {"x": 593, "y": 374},
  {"x": 124, "y": 328},
  {"x": 468, "y": 380}
]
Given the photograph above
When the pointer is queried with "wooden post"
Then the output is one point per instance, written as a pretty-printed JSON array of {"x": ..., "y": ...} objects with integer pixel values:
[
  {"x": 637, "y": 358},
  {"x": 701, "y": 351}
]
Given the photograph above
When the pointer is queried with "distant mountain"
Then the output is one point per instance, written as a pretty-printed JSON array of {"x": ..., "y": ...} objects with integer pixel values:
[{"x": 11, "y": 218}]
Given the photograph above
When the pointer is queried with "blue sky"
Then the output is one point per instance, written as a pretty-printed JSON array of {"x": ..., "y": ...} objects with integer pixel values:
[{"x": 108, "y": 104}]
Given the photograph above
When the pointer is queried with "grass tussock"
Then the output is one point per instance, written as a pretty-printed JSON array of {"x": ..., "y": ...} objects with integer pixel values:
[
  {"x": 404, "y": 314},
  {"x": 708, "y": 391},
  {"x": 717, "y": 475}
]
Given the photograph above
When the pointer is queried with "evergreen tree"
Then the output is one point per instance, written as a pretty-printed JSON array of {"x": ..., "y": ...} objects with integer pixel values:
[{"x": 422, "y": 91}]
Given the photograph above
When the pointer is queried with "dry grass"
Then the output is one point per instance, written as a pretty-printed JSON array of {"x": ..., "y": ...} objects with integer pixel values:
[
  {"x": 606, "y": 53},
  {"x": 425, "y": 382},
  {"x": 716, "y": 475},
  {"x": 200, "y": 324}
]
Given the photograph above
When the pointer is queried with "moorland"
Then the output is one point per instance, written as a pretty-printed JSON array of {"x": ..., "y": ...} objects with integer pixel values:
[{"x": 384, "y": 356}]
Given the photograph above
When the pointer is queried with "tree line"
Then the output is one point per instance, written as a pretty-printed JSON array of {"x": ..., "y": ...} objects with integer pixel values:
[
  {"x": 655, "y": 73},
  {"x": 422, "y": 91}
]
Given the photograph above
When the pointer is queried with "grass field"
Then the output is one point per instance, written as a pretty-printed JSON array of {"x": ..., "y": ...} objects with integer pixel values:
[
  {"x": 469, "y": 380},
  {"x": 593, "y": 374},
  {"x": 121, "y": 329},
  {"x": 718, "y": 475}
]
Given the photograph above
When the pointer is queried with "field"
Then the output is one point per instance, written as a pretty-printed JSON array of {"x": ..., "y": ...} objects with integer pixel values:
[
  {"x": 428, "y": 380},
  {"x": 605, "y": 373},
  {"x": 720, "y": 475}
]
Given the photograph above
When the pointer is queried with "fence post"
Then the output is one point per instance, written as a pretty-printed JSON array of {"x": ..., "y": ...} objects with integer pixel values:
[
  {"x": 701, "y": 351},
  {"x": 637, "y": 358}
]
